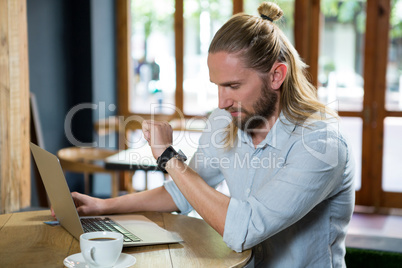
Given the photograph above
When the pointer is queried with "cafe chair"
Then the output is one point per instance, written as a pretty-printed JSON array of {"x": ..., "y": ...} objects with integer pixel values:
[{"x": 88, "y": 161}]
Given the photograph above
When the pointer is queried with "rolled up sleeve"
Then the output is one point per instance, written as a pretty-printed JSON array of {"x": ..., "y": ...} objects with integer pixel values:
[
  {"x": 236, "y": 224},
  {"x": 181, "y": 202},
  {"x": 304, "y": 181}
]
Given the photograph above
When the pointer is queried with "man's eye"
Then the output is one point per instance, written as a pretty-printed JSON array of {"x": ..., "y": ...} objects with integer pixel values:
[{"x": 236, "y": 86}]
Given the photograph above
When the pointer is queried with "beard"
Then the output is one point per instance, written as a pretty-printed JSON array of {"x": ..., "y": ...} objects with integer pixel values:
[{"x": 263, "y": 108}]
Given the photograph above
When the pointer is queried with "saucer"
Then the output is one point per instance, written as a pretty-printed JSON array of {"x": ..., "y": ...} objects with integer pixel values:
[{"x": 77, "y": 260}]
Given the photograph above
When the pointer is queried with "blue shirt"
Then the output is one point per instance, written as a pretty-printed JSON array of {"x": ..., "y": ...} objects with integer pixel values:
[{"x": 292, "y": 196}]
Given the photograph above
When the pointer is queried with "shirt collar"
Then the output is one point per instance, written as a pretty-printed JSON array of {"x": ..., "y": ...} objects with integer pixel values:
[{"x": 276, "y": 137}]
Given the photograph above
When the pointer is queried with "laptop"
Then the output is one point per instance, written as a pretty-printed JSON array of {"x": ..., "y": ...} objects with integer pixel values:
[{"x": 144, "y": 231}]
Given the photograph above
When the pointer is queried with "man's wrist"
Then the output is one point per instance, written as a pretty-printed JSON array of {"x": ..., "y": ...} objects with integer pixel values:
[
  {"x": 172, "y": 162},
  {"x": 167, "y": 155},
  {"x": 105, "y": 205}
]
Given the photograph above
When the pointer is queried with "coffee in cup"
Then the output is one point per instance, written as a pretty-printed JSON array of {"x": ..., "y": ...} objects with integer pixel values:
[{"x": 101, "y": 249}]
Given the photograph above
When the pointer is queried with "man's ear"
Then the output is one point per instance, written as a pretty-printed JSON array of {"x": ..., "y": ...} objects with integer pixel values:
[{"x": 277, "y": 75}]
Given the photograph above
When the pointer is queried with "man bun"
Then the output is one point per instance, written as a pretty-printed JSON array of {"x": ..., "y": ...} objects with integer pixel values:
[{"x": 270, "y": 11}]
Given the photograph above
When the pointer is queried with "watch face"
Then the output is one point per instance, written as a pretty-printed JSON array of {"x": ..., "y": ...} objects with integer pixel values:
[{"x": 183, "y": 157}]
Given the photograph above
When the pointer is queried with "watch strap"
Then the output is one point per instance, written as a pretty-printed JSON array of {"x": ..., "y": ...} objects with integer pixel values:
[{"x": 168, "y": 154}]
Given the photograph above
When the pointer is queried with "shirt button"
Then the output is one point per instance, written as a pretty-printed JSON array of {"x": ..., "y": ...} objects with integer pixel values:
[{"x": 248, "y": 190}]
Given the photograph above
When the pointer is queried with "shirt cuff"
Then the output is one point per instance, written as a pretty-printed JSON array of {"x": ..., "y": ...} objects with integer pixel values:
[
  {"x": 181, "y": 202},
  {"x": 236, "y": 224}
]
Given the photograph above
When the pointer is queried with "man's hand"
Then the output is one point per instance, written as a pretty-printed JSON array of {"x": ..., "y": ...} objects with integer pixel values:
[
  {"x": 87, "y": 205},
  {"x": 158, "y": 134}
]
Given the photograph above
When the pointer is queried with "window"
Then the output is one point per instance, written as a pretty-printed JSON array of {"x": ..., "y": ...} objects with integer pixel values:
[
  {"x": 391, "y": 170},
  {"x": 353, "y": 49},
  {"x": 340, "y": 66},
  {"x": 394, "y": 65},
  {"x": 341, "y": 63},
  {"x": 201, "y": 19},
  {"x": 152, "y": 56},
  {"x": 167, "y": 58}
]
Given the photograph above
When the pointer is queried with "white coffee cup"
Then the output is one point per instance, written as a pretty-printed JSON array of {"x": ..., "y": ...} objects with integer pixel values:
[{"x": 101, "y": 249}]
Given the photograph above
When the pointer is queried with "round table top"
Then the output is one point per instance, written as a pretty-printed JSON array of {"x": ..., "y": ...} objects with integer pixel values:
[{"x": 26, "y": 240}]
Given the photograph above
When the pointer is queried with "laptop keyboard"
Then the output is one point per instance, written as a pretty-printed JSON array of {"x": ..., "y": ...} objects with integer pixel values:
[{"x": 107, "y": 224}]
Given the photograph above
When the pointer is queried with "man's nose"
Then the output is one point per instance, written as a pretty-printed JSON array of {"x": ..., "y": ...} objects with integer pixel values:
[{"x": 225, "y": 100}]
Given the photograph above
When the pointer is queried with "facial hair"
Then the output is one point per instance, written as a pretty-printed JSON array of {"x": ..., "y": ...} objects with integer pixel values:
[{"x": 263, "y": 108}]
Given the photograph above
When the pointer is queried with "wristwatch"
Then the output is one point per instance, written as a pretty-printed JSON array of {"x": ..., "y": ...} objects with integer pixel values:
[{"x": 168, "y": 154}]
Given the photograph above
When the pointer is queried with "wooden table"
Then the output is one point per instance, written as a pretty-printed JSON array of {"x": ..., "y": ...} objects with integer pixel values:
[{"x": 25, "y": 241}]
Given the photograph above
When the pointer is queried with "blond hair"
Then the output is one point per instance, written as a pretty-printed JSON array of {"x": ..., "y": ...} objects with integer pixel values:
[{"x": 260, "y": 43}]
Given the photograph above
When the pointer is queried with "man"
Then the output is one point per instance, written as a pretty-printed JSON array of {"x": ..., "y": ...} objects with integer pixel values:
[{"x": 288, "y": 169}]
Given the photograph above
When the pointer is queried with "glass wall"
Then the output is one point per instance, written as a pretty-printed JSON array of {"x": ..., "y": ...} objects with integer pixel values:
[
  {"x": 394, "y": 68},
  {"x": 392, "y": 172},
  {"x": 352, "y": 128},
  {"x": 340, "y": 74},
  {"x": 391, "y": 169},
  {"x": 202, "y": 18},
  {"x": 153, "y": 58}
]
